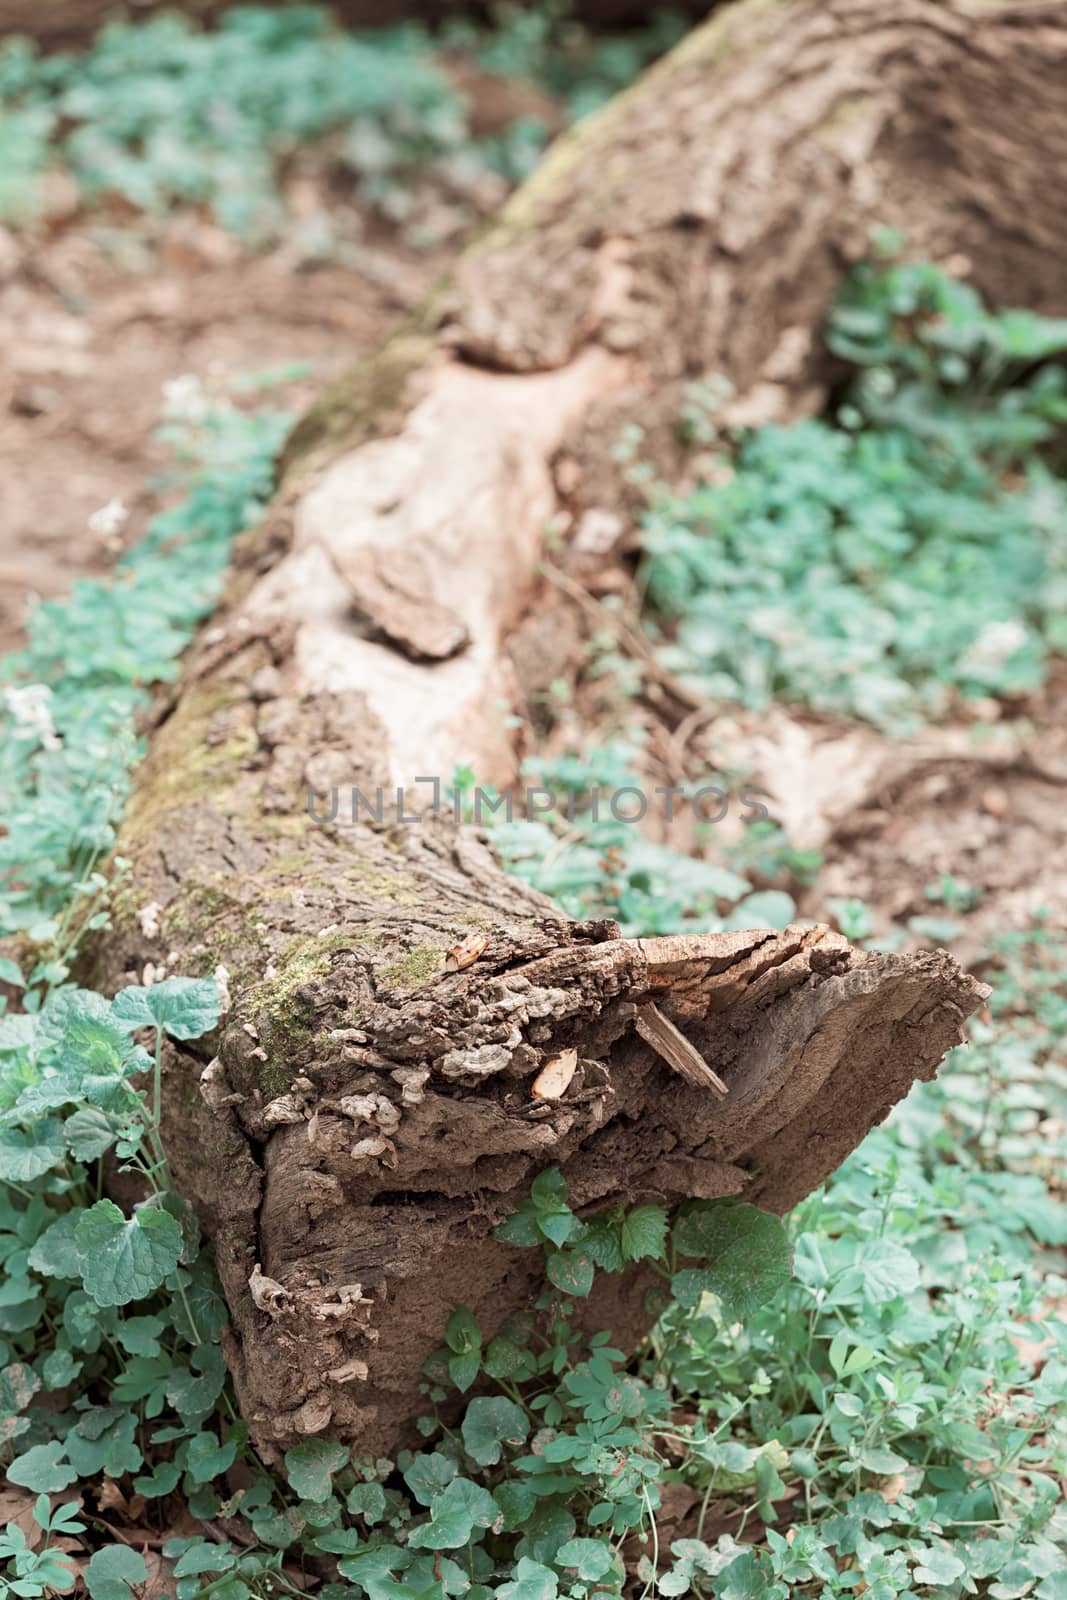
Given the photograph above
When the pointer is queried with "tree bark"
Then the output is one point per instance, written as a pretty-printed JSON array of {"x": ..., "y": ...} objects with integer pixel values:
[{"x": 367, "y": 1113}]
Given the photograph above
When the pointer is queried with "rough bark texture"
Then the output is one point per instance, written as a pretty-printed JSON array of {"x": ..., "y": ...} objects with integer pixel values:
[{"x": 367, "y": 1114}]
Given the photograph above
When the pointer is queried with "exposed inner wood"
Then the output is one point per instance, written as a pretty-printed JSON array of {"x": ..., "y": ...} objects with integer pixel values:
[{"x": 672, "y": 1046}]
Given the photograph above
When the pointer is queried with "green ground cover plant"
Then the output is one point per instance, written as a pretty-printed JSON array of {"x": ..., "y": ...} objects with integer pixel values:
[
  {"x": 162, "y": 112},
  {"x": 595, "y": 865},
  {"x": 868, "y": 1399},
  {"x": 901, "y": 554}
]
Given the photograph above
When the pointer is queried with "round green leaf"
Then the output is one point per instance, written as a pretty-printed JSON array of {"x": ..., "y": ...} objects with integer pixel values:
[
  {"x": 183, "y": 1007},
  {"x": 311, "y": 1466},
  {"x": 572, "y": 1271},
  {"x": 44, "y": 1469},
  {"x": 112, "y": 1570},
  {"x": 490, "y": 1422},
  {"x": 28, "y": 1153},
  {"x": 747, "y": 1251},
  {"x": 125, "y": 1259}
]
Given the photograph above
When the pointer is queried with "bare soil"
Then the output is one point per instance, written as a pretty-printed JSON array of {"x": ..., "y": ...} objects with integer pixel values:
[{"x": 99, "y": 311}]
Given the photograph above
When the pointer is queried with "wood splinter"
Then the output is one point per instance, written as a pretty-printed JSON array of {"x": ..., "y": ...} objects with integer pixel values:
[{"x": 675, "y": 1049}]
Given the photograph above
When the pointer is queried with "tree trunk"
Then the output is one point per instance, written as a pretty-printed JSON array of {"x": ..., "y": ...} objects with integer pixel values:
[{"x": 372, "y": 1108}]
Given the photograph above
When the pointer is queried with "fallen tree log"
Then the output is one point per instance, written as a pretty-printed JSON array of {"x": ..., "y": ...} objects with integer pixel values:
[{"x": 367, "y": 1114}]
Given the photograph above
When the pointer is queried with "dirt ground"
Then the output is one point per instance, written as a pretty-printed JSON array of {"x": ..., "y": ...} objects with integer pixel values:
[{"x": 98, "y": 312}]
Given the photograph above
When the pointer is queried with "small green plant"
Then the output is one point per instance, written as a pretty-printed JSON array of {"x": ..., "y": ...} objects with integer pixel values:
[
  {"x": 596, "y": 865},
  {"x": 909, "y": 1374},
  {"x": 162, "y": 112},
  {"x": 109, "y": 1316},
  {"x": 68, "y": 708},
  {"x": 35, "y": 1573},
  {"x": 545, "y": 44},
  {"x": 905, "y": 555}
]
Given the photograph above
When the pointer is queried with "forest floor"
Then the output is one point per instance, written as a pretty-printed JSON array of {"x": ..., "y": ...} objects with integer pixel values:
[
  {"x": 100, "y": 311},
  {"x": 955, "y": 833}
]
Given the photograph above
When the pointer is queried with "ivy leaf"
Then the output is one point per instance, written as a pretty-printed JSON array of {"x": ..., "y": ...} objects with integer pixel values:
[
  {"x": 125, "y": 1259},
  {"x": 688, "y": 1285},
  {"x": 743, "y": 1580},
  {"x": 517, "y": 1499},
  {"x": 367, "y": 1500},
  {"x": 748, "y": 1253},
  {"x": 93, "y": 1041},
  {"x": 28, "y": 1153},
  {"x": 490, "y": 1422},
  {"x": 185, "y": 1217},
  {"x": 590, "y": 1557},
  {"x": 44, "y": 1469},
  {"x": 462, "y": 1332},
  {"x": 557, "y": 1226},
  {"x": 428, "y": 1474},
  {"x": 139, "y": 1336},
  {"x": 205, "y": 1457},
  {"x": 10, "y": 972},
  {"x": 939, "y": 1567},
  {"x": 18, "y": 1385},
  {"x": 571, "y": 1270},
  {"x": 549, "y": 1525},
  {"x": 197, "y": 1556},
  {"x": 59, "y": 1368},
  {"x": 373, "y": 1570},
  {"x": 644, "y": 1233},
  {"x": 600, "y": 1238},
  {"x": 164, "y": 1480},
  {"x": 463, "y": 1336},
  {"x": 193, "y": 1393},
  {"x": 532, "y": 1581},
  {"x": 19, "y": 1031},
  {"x": 520, "y": 1228},
  {"x": 554, "y": 1217},
  {"x": 112, "y": 1570},
  {"x": 55, "y": 1252},
  {"x": 311, "y": 1465},
  {"x": 457, "y": 1511},
  {"x": 506, "y": 1359},
  {"x": 88, "y": 1133},
  {"x": 183, "y": 1007},
  {"x": 103, "y": 1440}
]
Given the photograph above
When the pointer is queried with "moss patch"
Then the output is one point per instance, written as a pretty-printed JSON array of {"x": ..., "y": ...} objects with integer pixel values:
[
  {"x": 417, "y": 966},
  {"x": 182, "y": 764},
  {"x": 284, "y": 1010},
  {"x": 383, "y": 884},
  {"x": 364, "y": 404}
]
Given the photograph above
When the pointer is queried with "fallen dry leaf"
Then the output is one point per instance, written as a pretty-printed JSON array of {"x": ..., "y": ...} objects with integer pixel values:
[
  {"x": 466, "y": 953},
  {"x": 553, "y": 1080}
]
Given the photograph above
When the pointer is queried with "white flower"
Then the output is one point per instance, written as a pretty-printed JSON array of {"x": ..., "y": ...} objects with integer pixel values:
[
  {"x": 184, "y": 399},
  {"x": 31, "y": 712},
  {"x": 995, "y": 645},
  {"x": 109, "y": 519}
]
